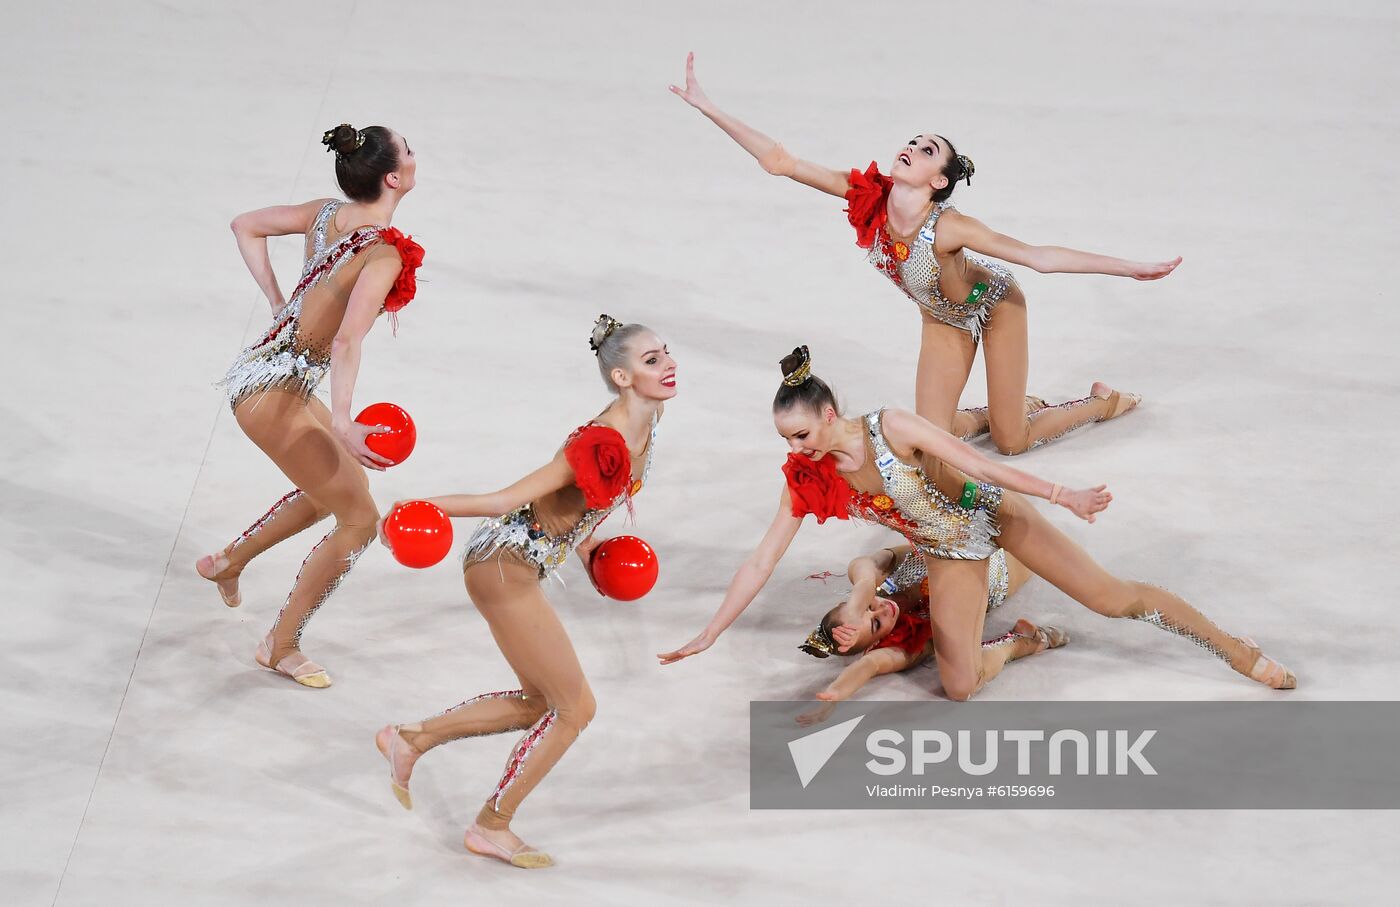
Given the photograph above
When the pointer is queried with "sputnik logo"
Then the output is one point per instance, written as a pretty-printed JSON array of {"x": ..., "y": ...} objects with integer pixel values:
[{"x": 811, "y": 753}]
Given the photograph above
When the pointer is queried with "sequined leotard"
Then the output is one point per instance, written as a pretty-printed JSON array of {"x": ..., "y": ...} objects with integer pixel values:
[
  {"x": 912, "y": 570},
  {"x": 543, "y": 532},
  {"x": 295, "y": 353},
  {"x": 911, "y": 500},
  {"x": 959, "y": 289}
]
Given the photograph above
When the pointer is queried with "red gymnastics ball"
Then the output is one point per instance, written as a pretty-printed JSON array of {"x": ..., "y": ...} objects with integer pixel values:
[
  {"x": 395, "y": 444},
  {"x": 419, "y": 534},
  {"x": 624, "y": 568}
]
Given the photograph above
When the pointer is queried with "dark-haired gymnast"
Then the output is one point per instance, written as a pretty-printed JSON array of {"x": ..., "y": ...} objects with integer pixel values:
[
  {"x": 915, "y": 237},
  {"x": 883, "y": 624},
  {"x": 956, "y": 507},
  {"x": 357, "y": 267}
]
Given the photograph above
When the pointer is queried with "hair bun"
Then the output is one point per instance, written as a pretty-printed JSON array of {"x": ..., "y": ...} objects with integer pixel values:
[
  {"x": 343, "y": 139},
  {"x": 604, "y": 326},
  {"x": 968, "y": 167},
  {"x": 797, "y": 366}
]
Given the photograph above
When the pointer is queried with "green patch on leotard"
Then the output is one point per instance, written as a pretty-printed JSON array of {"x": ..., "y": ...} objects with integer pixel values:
[{"x": 977, "y": 290}]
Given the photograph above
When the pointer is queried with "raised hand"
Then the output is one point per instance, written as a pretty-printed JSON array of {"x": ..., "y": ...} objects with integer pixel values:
[
  {"x": 692, "y": 93},
  {"x": 1142, "y": 270},
  {"x": 1086, "y": 502}
]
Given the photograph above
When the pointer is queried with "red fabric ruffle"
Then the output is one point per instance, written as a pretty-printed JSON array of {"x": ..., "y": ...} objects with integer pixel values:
[
  {"x": 602, "y": 466},
  {"x": 815, "y": 488},
  {"x": 865, "y": 203},
  {"x": 406, "y": 284}
]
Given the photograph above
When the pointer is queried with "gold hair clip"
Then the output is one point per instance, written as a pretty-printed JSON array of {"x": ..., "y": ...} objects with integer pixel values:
[
  {"x": 609, "y": 324},
  {"x": 819, "y": 644},
  {"x": 802, "y": 372}
]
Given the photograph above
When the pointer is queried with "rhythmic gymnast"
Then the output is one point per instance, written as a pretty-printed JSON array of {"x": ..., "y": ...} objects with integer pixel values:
[
  {"x": 956, "y": 507},
  {"x": 534, "y": 525},
  {"x": 357, "y": 267},
  {"x": 915, "y": 237}
]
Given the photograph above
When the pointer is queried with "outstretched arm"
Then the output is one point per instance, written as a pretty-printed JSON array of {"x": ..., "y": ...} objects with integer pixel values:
[
  {"x": 251, "y": 231},
  {"x": 769, "y": 154},
  {"x": 908, "y": 433},
  {"x": 548, "y": 478},
  {"x": 856, "y": 675},
  {"x": 751, "y": 576},
  {"x": 958, "y": 231},
  {"x": 870, "y": 665}
]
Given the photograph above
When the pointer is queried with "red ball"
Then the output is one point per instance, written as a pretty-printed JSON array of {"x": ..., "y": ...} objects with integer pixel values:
[
  {"x": 395, "y": 444},
  {"x": 419, "y": 534},
  {"x": 624, "y": 568}
]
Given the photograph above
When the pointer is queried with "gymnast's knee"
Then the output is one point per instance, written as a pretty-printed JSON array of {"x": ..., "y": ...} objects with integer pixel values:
[
  {"x": 358, "y": 532},
  {"x": 961, "y": 686},
  {"x": 1012, "y": 442},
  {"x": 578, "y": 713},
  {"x": 361, "y": 519}
]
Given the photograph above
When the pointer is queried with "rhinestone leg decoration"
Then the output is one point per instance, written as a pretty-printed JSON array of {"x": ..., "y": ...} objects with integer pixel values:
[
  {"x": 261, "y": 522},
  {"x": 307, "y": 578},
  {"x": 534, "y": 755},
  {"x": 1087, "y": 417},
  {"x": 292, "y": 513},
  {"x": 489, "y": 713},
  {"x": 1009, "y": 638},
  {"x": 1162, "y": 622},
  {"x": 1167, "y": 611},
  {"x": 515, "y": 766}
]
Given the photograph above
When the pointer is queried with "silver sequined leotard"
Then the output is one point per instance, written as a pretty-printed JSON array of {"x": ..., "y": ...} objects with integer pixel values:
[
  {"x": 283, "y": 359},
  {"x": 523, "y": 532},
  {"x": 914, "y": 268},
  {"x": 913, "y": 506},
  {"x": 912, "y": 570}
]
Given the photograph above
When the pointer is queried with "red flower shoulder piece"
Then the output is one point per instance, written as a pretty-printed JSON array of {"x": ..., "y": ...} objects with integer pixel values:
[
  {"x": 406, "y": 284},
  {"x": 865, "y": 203},
  {"x": 815, "y": 488},
  {"x": 602, "y": 466}
]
